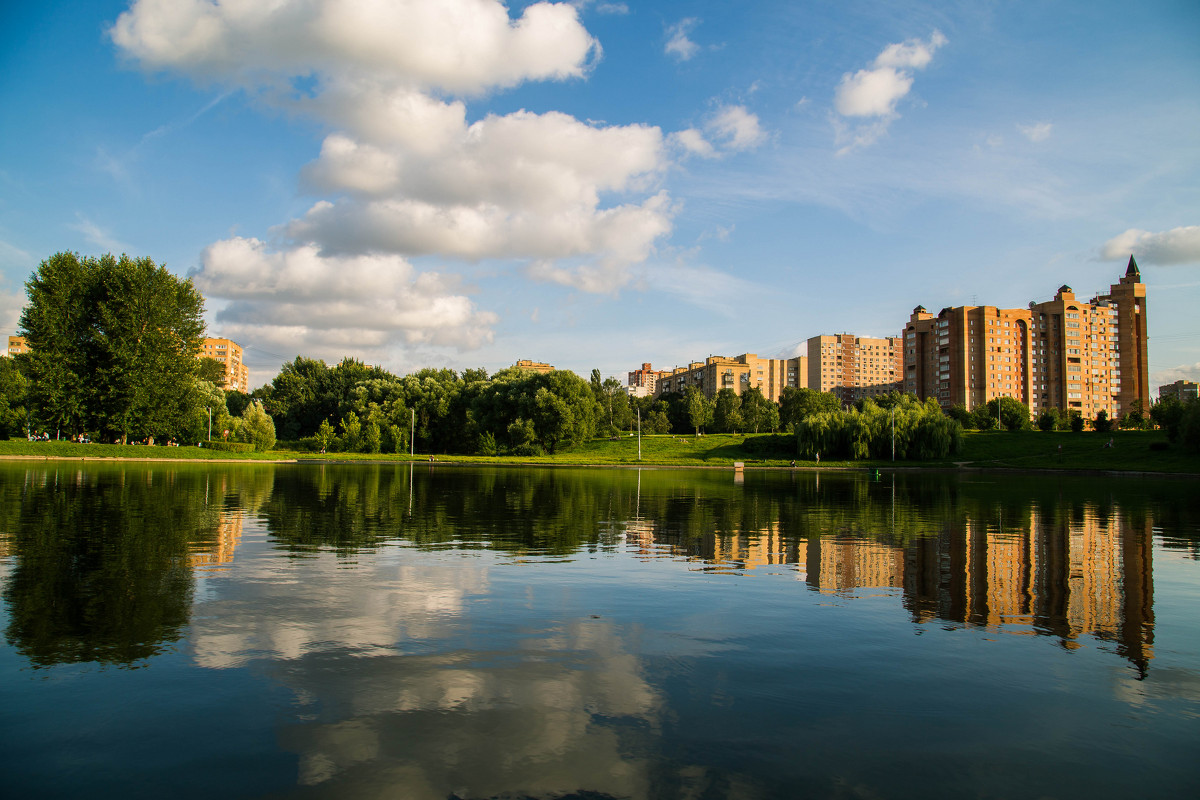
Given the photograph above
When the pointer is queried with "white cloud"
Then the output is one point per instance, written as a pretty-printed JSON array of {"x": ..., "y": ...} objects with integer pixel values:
[
  {"x": 872, "y": 94},
  {"x": 457, "y": 46},
  {"x": 1038, "y": 132},
  {"x": 402, "y": 171},
  {"x": 1176, "y": 246},
  {"x": 302, "y": 298},
  {"x": 678, "y": 43},
  {"x": 1183, "y": 372},
  {"x": 733, "y": 128},
  {"x": 693, "y": 143},
  {"x": 737, "y": 127}
]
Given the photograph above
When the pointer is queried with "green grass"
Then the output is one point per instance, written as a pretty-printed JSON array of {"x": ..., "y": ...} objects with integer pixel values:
[{"x": 1024, "y": 450}]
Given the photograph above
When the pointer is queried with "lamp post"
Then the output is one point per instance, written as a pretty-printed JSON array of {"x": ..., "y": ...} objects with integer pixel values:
[
  {"x": 412, "y": 434},
  {"x": 209, "y": 410},
  {"x": 639, "y": 440}
]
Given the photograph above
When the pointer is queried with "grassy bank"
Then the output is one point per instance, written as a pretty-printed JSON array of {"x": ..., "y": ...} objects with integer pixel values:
[{"x": 1029, "y": 450}]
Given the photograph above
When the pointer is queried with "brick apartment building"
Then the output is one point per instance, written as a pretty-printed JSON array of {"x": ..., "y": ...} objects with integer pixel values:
[
  {"x": 229, "y": 353},
  {"x": 854, "y": 367},
  {"x": 1075, "y": 355}
]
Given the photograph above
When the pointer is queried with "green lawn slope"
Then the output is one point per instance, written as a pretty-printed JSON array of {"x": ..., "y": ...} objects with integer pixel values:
[{"x": 1133, "y": 451}]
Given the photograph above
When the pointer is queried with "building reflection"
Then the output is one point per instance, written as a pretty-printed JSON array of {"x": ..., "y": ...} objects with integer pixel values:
[{"x": 1069, "y": 574}]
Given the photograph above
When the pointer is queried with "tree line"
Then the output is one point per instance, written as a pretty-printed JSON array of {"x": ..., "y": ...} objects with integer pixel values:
[{"x": 113, "y": 355}]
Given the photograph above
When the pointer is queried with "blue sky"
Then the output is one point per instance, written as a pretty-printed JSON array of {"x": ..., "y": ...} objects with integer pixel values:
[{"x": 462, "y": 183}]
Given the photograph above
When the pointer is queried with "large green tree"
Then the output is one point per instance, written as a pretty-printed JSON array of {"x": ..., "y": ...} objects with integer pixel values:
[{"x": 113, "y": 346}]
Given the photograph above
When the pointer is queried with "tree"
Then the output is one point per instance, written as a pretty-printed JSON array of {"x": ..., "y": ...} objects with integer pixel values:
[
  {"x": 212, "y": 370},
  {"x": 699, "y": 408},
  {"x": 325, "y": 435},
  {"x": 1102, "y": 424},
  {"x": 756, "y": 409},
  {"x": 1050, "y": 419},
  {"x": 113, "y": 345},
  {"x": 727, "y": 412},
  {"x": 13, "y": 390},
  {"x": 796, "y": 404},
  {"x": 1136, "y": 418},
  {"x": 1167, "y": 414},
  {"x": 1076, "y": 422},
  {"x": 257, "y": 427}
]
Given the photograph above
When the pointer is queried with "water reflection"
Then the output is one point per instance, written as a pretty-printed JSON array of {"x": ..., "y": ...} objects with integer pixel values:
[{"x": 103, "y": 558}]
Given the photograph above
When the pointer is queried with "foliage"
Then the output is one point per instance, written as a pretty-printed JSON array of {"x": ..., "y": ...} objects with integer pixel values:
[
  {"x": 699, "y": 408},
  {"x": 727, "y": 412},
  {"x": 1051, "y": 419},
  {"x": 230, "y": 447},
  {"x": 1136, "y": 418},
  {"x": 325, "y": 435},
  {"x": 1102, "y": 424},
  {"x": 1189, "y": 427},
  {"x": 13, "y": 390},
  {"x": 757, "y": 411},
  {"x": 916, "y": 430},
  {"x": 212, "y": 370},
  {"x": 113, "y": 345},
  {"x": 796, "y": 404},
  {"x": 1167, "y": 414},
  {"x": 1076, "y": 422},
  {"x": 257, "y": 428}
]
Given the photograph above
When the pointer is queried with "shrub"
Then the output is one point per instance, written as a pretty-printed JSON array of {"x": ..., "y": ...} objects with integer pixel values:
[{"x": 230, "y": 447}]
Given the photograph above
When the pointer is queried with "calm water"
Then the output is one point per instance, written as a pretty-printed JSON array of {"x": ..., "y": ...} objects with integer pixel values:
[{"x": 448, "y": 632}]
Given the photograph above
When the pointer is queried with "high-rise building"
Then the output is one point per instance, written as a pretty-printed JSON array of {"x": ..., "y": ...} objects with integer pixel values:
[
  {"x": 853, "y": 367},
  {"x": 770, "y": 375},
  {"x": 1182, "y": 391},
  {"x": 1075, "y": 355},
  {"x": 642, "y": 381},
  {"x": 229, "y": 353}
]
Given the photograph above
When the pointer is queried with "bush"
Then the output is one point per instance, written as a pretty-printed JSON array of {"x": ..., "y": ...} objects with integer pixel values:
[
  {"x": 230, "y": 447},
  {"x": 257, "y": 427}
]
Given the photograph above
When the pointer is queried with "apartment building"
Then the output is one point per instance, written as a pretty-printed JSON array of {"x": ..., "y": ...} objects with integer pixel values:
[
  {"x": 1067, "y": 353},
  {"x": 642, "y": 382},
  {"x": 770, "y": 375},
  {"x": 229, "y": 353},
  {"x": 1183, "y": 391},
  {"x": 535, "y": 366},
  {"x": 16, "y": 346},
  {"x": 854, "y": 367}
]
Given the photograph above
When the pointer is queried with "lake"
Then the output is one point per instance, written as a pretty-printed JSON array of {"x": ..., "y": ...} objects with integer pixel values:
[{"x": 441, "y": 631}]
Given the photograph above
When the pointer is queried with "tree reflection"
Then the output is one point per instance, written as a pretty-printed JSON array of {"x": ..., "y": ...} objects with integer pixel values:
[{"x": 103, "y": 557}]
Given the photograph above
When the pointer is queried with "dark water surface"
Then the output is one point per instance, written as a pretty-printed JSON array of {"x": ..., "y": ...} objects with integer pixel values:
[{"x": 449, "y": 632}]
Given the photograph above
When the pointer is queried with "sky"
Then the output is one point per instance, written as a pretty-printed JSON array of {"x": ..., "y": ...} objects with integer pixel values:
[{"x": 597, "y": 184}]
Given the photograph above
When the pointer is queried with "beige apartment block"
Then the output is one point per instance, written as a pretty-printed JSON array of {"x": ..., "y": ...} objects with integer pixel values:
[
  {"x": 853, "y": 367},
  {"x": 535, "y": 366},
  {"x": 1182, "y": 391},
  {"x": 770, "y": 375},
  {"x": 229, "y": 353},
  {"x": 16, "y": 346},
  {"x": 1075, "y": 355}
]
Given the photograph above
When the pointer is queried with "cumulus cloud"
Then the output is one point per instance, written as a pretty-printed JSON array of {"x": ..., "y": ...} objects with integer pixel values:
[
  {"x": 402, "y": 172},
  {"x": 737, "y": 127},
  {"x": 732, "y": 128},
  {"x": 300, "y": 297},
  {"x": 871, "y": 94},
  {"x": 678, "y": 44},
  {"x": 1176, "y": 246},
  {"x": 1038, "y": 132}
]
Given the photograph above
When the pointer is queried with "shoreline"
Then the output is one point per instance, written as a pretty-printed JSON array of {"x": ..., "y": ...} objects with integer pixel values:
[{"x": 963, "y": 467}]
